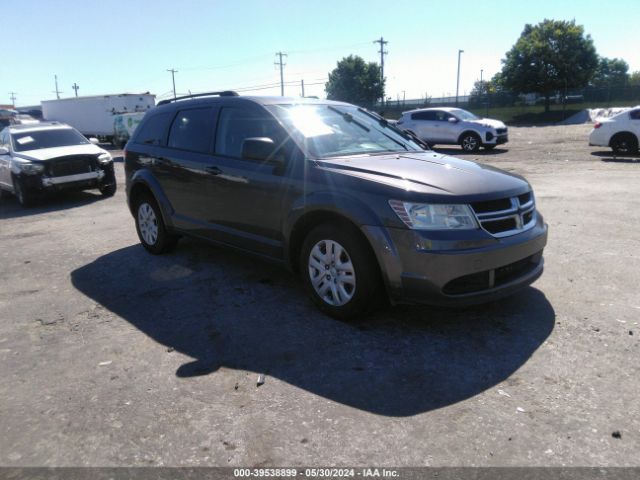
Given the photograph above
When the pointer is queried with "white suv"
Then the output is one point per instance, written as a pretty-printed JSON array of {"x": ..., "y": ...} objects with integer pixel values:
[
  {"x": 454, "y": 126},
  {"x": 620, "y": 132}
]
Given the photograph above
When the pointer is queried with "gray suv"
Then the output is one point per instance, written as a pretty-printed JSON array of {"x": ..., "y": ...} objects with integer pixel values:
[
  {"x": 332, "y": 191},
  {"x": 454, "y": 126}
]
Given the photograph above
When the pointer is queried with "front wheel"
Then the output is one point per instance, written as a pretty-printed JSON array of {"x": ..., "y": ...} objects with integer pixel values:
[
  {"x": 109, "y": 190},
  {"x": 25, "y": 197},
  {"x": 340, "y": 271},
  {"x": 470, "y": 142},
  {"x": 151, "y": 228}
]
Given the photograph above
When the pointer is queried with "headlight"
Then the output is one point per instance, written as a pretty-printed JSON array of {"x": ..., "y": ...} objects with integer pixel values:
[
  {"x": 434, "y": 216},
  {"x": 104, "y": 158},
  {"x": 30, "y": 168}
]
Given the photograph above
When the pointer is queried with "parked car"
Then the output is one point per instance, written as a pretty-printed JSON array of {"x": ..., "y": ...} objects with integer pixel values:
[
  {"x": 621, "y": 132},
  {"x": 335, "y": 193},
  {"x": 454, "y": 126},
  {"x": 50, "y": 157}
]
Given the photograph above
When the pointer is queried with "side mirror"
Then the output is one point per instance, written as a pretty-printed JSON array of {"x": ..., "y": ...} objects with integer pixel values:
[
  {"x": 94, "y": 140},
  {"x": 260, "y": 149},
  {"x": 453, "y": 120},
  {"x": 4, "y": 151}
]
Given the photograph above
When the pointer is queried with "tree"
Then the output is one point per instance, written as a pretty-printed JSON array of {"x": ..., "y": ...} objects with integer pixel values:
[
  {"x": 634, "y": 79},
  {"x": 553, "y": 55},
  {"x": 611, "y": 72},
  {"x": 355, "y": 81}
]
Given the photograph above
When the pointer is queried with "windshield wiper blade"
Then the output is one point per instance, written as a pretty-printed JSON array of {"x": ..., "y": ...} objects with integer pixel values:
[
  {"x": 349, "y": 118},
  {"x": 403, "y": 133}
]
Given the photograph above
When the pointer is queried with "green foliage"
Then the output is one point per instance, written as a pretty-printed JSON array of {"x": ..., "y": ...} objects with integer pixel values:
[
  {"x": 355, "y": 81},
  {"x": 611, "y": 72},
  {"x": 634, "y": 79},
  {"x": 551, "y": 56}
]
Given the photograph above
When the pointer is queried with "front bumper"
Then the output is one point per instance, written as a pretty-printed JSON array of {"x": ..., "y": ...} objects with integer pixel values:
[
  {"x": 457, "y": 271},
  {"x": 41, "y": 184}
]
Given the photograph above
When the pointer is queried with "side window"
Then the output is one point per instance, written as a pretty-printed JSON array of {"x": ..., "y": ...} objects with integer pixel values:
[
  {"x": 442, "y": 116},
  {"x": 192, "y": 130},
  {"x": 635, "y": 114},
  {"x": 235, "y": 125},
  {"x": 153, "y": 131},
  {"x": 428, "y": 115}
]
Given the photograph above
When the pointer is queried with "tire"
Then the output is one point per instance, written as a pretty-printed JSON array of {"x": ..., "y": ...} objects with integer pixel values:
[
  {"x": 109, "y": 190},
  {"x": 470, "y": 142},
  {"x": 623, "y": 143},
  {"x": 351, "y": 285},
  {"x": 489, "y": 147},
  {"x": 3, "y": 193},
  {"x": 152, "y": 231},
  {"x": 25, "y": 198}
]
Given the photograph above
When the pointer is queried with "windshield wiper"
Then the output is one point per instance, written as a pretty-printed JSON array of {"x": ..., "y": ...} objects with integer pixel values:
[
  {"x": 403, "y": 133},
  {"x": 349, "y": 118}
]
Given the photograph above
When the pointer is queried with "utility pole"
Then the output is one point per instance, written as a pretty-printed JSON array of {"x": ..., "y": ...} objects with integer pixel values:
[
  {"x": 58, "y": 92},
  {"x": 458, "y": 80},
  {"x": 173, "y": 79},
  {"x": 13, "y": 98},
  {"x": 302, "y": 87},
  {"x": 75, "y": 87},
  {"x": 382, "y": 53},
  {"x": 281, "y": 64}
]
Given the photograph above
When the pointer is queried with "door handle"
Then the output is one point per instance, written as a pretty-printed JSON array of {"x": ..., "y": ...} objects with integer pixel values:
[{"x": 213, "y": 170}]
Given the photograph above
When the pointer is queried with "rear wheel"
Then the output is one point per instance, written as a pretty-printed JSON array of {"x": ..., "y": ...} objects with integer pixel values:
[
  {"x": 152, "y": 231},
  {"x": 624, "y": 143},
  {"x": 340, "y": 271},
  {"x": 470, "y": 142}
]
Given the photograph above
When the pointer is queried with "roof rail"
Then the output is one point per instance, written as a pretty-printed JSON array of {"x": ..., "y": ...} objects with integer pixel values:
[{"x": 225, "y": 93}]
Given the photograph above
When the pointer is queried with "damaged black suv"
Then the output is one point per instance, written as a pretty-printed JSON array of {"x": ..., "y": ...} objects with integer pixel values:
[{"x": 356, "y": 207}]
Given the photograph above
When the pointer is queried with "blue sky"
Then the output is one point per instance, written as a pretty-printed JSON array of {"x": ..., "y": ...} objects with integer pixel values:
[{"x": 115, "y": 46}]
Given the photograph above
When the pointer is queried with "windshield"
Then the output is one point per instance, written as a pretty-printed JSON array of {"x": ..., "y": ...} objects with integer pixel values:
[
  {"x": 330, "y": 131},
  {"x": 35, "y": 140},
  {"x": 464, "y": 115}
]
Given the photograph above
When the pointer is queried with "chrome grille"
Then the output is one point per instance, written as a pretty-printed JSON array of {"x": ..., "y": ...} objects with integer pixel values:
[
  {"x": 61, "y": 167},
  {"x": 506, "y": 216}
]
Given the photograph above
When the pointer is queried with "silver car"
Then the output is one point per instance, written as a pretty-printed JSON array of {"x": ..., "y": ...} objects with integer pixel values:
[{"x": 454, "y": 126}]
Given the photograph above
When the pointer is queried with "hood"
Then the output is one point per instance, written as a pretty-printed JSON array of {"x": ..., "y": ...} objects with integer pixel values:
[
  {"x": 488, "y": 121},
  {"x": 55, "y": 152},
  {"x": 430, "y": 173}
]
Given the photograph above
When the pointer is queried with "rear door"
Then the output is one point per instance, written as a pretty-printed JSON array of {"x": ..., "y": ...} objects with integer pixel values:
[
  {"x": 184, "y": 165},
  {"x": 425, "y": 125}
]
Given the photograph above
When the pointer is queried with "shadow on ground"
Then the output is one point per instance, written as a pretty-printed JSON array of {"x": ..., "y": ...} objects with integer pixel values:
[
  {"x": 609, "y": 156},
  {"x": 225, "y": 309},
  {"x": 10, "y": 208}
]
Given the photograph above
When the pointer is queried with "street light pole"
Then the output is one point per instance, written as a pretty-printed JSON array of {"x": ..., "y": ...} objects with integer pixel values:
[{"x": 458, "y": 78}]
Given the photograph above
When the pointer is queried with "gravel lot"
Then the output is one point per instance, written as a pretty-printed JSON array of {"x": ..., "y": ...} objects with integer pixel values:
[{"x": 112, "y": 357}]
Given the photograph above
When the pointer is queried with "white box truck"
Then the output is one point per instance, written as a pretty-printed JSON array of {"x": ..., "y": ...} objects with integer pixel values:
[{"x": 94, "y": 116}]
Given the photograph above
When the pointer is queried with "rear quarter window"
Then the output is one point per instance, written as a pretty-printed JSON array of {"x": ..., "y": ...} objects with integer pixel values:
[
  {"x": 153, "y": 130},
  {"x": 635, "y": 114}
]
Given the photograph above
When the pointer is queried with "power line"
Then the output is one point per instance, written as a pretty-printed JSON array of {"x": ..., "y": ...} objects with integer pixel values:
[{"x": 280, "y": 54}]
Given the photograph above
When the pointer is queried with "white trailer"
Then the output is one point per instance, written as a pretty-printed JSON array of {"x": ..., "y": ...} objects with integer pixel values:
[{"x": 94, "y": 116}]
